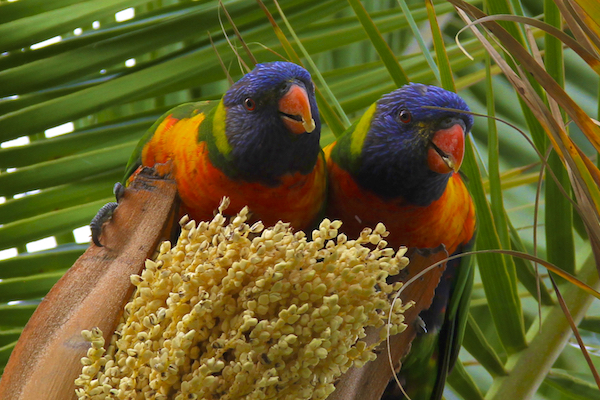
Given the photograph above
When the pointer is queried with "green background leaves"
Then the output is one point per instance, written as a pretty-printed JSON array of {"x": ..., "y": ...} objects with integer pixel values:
[{"x": 83, "y": 80}]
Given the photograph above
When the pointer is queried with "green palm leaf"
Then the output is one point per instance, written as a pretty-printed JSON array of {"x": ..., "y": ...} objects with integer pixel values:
[{"x": 83, "y": 81}]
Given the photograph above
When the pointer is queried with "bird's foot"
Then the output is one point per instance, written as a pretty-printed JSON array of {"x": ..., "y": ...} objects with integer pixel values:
[
  {"x": 103, "y": 215},
  {"x": 118, "y": 191},
  {"x": 421, "y": 325}
]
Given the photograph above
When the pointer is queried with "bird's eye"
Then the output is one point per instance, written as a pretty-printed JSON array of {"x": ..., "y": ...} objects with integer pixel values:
[
  {"x": 404, "y": 116},
  {"x": 249, "y": 104}
]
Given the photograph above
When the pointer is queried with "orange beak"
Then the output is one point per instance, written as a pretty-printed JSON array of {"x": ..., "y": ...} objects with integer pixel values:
[
  {"x": 447, "y": 149},
  {"x": 294, "y": 108}
]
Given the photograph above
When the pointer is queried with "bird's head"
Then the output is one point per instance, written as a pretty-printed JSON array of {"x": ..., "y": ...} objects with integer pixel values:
[
  {"x": 406, "y": 120},
  {"x": 407, "y": 142},
  {"x": 272, "y": 117},
  {"x": 280, "y": 93}
]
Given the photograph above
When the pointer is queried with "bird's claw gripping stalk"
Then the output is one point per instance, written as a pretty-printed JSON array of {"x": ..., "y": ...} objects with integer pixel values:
[{"x": 105, "y": 213}]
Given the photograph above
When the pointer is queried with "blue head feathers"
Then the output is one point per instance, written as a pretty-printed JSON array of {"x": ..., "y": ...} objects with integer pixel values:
[
  {"x": 261, "y": 81},
  {"x": 269, "y": 137},
  {"x": 394, "y": 158}
]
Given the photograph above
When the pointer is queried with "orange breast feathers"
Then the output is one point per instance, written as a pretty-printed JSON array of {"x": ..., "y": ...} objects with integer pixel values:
[
  {"x": 449, "y": 220},
  {"x": 298, "y": 199}
]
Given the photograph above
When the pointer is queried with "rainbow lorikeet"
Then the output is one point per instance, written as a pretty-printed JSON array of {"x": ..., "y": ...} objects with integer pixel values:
[
  {"x": 399, "y": 165},
  {"x": 258, "y": 145}
]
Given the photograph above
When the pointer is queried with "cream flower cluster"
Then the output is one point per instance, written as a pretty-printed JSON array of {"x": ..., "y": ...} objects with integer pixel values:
[{"x": 234, "y": 311}]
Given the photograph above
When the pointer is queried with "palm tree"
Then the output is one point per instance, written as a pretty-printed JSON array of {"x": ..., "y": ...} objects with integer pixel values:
[{"x": 80, "y": 81}]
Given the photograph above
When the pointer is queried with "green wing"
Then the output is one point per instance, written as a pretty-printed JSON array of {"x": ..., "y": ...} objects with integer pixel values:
[{"x": 182, "y": 111}]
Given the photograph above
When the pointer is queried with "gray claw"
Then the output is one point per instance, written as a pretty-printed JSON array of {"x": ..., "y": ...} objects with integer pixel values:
[
  {"x": 103, "y": 215},
  {"x": 119, "y": 191}
]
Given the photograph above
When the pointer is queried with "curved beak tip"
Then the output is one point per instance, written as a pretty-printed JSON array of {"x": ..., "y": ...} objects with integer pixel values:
[
  {"x": 450, "y": 163},
  {"x": 296, "y": 112},
  {"x": 447, "y": 150},
  {"x": 309, "y": 125}
]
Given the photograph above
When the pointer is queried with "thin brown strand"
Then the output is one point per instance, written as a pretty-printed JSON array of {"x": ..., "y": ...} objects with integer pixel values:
[
  {"x": 238, "y": 34},
  {"x": 573, "y": 24},
  {"x": 577, "y": 47},
  {"x": 270, "y": 50},
  {"x": 538, "y": 192},
  {"x": 287, "y": 46},
  {"x": 229, "y": 78},
  {"x": 588, "y": 34},
  {"x": 582, "y": 346},
  {"x": 527, "y": 227},
  {"x": 243, "y": 66},
  {"x": 513, "y": 253},
  {"x": 388, "y": 345}
]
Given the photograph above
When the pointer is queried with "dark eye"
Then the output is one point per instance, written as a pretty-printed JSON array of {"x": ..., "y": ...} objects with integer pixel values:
[
  {"x": 404, "y": 116},
  {"x": 249, "y": 104}
]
